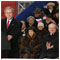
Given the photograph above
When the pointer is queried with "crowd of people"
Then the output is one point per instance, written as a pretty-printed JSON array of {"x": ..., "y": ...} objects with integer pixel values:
[{"x": 38, "y": 37}]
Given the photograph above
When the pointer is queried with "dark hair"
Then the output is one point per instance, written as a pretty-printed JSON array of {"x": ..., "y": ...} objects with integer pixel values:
[
  {"x": 37, "y": 11},
  {"x": 32, "y": 28}
]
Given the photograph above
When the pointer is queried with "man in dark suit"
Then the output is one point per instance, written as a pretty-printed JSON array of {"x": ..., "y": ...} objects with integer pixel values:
[
  {"x": 11, "y": 29},
  {"x": 50, "y": 45}
]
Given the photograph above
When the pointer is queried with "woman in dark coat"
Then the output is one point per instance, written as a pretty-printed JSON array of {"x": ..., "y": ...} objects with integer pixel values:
[
  {"x": 41, "y": 30},
  {"x": 30, "y": 44}
]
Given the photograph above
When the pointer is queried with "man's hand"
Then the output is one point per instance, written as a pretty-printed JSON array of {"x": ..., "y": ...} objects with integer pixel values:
[
  {"x": 9, "y": 37},
  {"x": 48, "y": 45}
]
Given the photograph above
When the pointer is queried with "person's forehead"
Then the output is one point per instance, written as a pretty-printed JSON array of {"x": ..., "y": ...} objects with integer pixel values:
[
  {"x": 52, "y": 26},
  {"x": 22, "y": 22},
  {"x": 50, "y": 5},
  {"x": 40, "y": 26},
  {"x": 31, "y": 19},
  {"x": 7, "y": 10},
  {"x": 30, "y": 30},
  {"x": 57, "y": 13}
]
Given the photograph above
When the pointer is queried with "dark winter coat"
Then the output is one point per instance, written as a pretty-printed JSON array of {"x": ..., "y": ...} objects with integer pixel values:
[
  {"x": 31, "y": 46},
  {"x": 50, "y": 53}
]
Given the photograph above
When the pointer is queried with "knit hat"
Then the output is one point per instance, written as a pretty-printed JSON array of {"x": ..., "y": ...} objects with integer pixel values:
[{"x": 40, "y": 24}]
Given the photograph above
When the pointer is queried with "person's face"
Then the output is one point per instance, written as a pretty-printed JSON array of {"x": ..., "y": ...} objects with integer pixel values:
[
  {"x": 50, "y": 7},
  {"x": 36, "y": 15},
  {"x": 31, "y": 21},
  {"x": 48, "y": 20},
  {"x": 40, "y": 28},
  {"x": 9, "y": 14},
  {"x": 57, "y": 15},
  {"x": 31, "y": 32},
  {"x": 52, "y": 29}
]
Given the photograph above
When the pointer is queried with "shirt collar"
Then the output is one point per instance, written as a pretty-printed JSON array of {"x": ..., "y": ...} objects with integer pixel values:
[
  {"x": 51, "y": 34},
  {"x": 9, "y": 20}
]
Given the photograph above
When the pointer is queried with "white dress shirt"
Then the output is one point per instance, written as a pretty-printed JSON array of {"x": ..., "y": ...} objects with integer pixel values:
[{"x": 9, "y": 21}]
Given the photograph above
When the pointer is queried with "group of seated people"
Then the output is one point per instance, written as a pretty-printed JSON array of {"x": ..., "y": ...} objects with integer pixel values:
[
  {"x": 39, "y": 37},
  {"x": 39, "y": 42}
]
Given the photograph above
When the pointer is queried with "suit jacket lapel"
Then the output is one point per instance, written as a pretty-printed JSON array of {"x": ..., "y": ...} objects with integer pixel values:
[{"x": 5, "y": 24}]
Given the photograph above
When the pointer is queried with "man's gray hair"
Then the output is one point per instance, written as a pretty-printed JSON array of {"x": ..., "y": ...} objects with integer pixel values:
[
  {"x": 30, "y": 17},
  {"x": 52, "y": 24},
  {"x": 7, "y": 8}
]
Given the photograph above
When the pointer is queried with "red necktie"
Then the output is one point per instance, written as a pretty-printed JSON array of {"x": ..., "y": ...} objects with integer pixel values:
[{"x": 8, "y": 24}]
